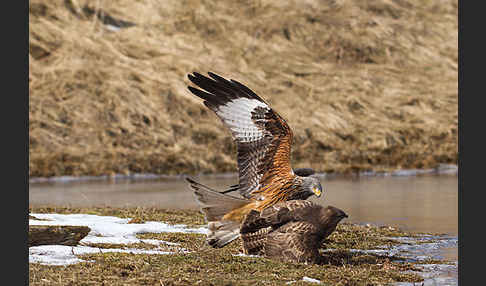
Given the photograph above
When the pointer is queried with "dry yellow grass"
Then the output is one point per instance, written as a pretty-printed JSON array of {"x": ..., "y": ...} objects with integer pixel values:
[{"x": 365, "y": 85}]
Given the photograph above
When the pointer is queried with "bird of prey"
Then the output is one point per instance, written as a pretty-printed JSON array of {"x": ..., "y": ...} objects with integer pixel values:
[
  {"x": 263, "y": 141},
  {"x": 291, "y": 231}
]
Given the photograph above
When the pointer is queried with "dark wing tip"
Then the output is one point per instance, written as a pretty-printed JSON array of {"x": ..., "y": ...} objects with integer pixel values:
[
  {"x": 304, "y": 172},
  {"x": 195, "y": 76},
  {"x": 218, "y": 84},
  {"x": 192, "y": 89},
  {"x": 250, "y": 93},
  {"x": 191, "y": 181},
  {"x": 215, "y": 76},
  {"x": 219, "y": 78}
]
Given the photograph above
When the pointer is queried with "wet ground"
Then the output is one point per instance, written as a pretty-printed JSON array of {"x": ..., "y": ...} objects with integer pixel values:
[{"x": 417, "y": 203}]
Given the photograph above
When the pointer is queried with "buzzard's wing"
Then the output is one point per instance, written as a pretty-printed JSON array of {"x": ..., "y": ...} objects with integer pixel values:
[
  {"x": 289, "y": 230},
  {"x": 287, "y": 211},
  {"x": 263, "y": 138},
  {"x": 278, "y": 215},
  {"x": 293, "y": 242}
]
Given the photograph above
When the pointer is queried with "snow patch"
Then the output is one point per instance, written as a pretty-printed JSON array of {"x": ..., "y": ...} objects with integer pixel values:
[
  {"x": 104, "y": 229},
  {"x": 307, "y": 279},
  {"x": 66, "y": 255},
  {"x": 246, "y": 255}
]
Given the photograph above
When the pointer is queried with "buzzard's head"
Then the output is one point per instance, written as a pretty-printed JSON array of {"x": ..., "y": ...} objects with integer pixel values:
[
  {"x": 330, "y": 217},
  {"x": 335, "y": 213},
  {"x": 310, "y": 186}
]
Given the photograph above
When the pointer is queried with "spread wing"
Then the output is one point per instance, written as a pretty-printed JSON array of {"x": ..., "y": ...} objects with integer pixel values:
[{"x": 263, "y": 138}]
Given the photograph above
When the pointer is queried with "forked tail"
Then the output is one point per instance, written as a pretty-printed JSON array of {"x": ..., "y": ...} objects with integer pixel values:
[{"x": 214, "y": 205}]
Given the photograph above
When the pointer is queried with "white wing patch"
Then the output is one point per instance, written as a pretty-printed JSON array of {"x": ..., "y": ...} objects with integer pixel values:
[{"x": 237, "y": 115}]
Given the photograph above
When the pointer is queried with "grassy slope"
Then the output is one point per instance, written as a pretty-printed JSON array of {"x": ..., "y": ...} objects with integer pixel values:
[{"x": 364, "y": 84}]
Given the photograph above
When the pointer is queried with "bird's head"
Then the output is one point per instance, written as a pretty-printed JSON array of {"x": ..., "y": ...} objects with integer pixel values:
[
  {"x": 330, "y": 217},
  {"x": 310, "y": 186},
  {"x": 335, "y": 213}
]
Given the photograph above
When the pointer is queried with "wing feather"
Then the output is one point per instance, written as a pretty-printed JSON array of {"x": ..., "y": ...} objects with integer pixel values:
[
  {"x": 278, "y": 214},
  {"x": 262, "y": 136},
  {"x": 290, "y": 230},
  {"x": 287, "y": 211},
  {"x": 290, "y": 246}
]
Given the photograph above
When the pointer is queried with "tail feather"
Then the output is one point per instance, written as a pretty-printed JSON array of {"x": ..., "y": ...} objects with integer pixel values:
[
  {"x": 214, "y": 205},
  {"x": 222, "y": 232}
]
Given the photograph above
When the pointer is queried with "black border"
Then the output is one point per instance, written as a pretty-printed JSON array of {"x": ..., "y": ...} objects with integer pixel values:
[
  {"x": 17, "y": 172},
  {"x": 466, "y": 269},
  {"x": 460, "y": 163}
]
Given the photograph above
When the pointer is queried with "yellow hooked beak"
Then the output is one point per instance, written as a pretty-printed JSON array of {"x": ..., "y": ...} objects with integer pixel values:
[{"x": 317, "y": 191}]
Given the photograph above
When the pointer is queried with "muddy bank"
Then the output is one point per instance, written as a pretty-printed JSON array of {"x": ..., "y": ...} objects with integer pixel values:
[{"x": 366, "y": 86}]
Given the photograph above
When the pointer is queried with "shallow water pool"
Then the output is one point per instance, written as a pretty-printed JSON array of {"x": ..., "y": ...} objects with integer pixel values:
[{"x": 425, "y": 203}]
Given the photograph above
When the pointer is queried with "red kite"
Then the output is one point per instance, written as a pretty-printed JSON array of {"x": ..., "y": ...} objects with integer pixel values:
[{"x": 263, "y": 141}]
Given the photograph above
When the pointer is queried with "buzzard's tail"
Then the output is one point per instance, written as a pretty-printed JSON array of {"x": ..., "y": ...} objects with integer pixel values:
[{"x": 215, "y": 205}]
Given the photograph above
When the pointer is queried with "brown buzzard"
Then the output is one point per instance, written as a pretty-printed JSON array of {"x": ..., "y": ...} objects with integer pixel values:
[
  {"x": 263, "y": 141},
  {"x": 291, "y": 231}
]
